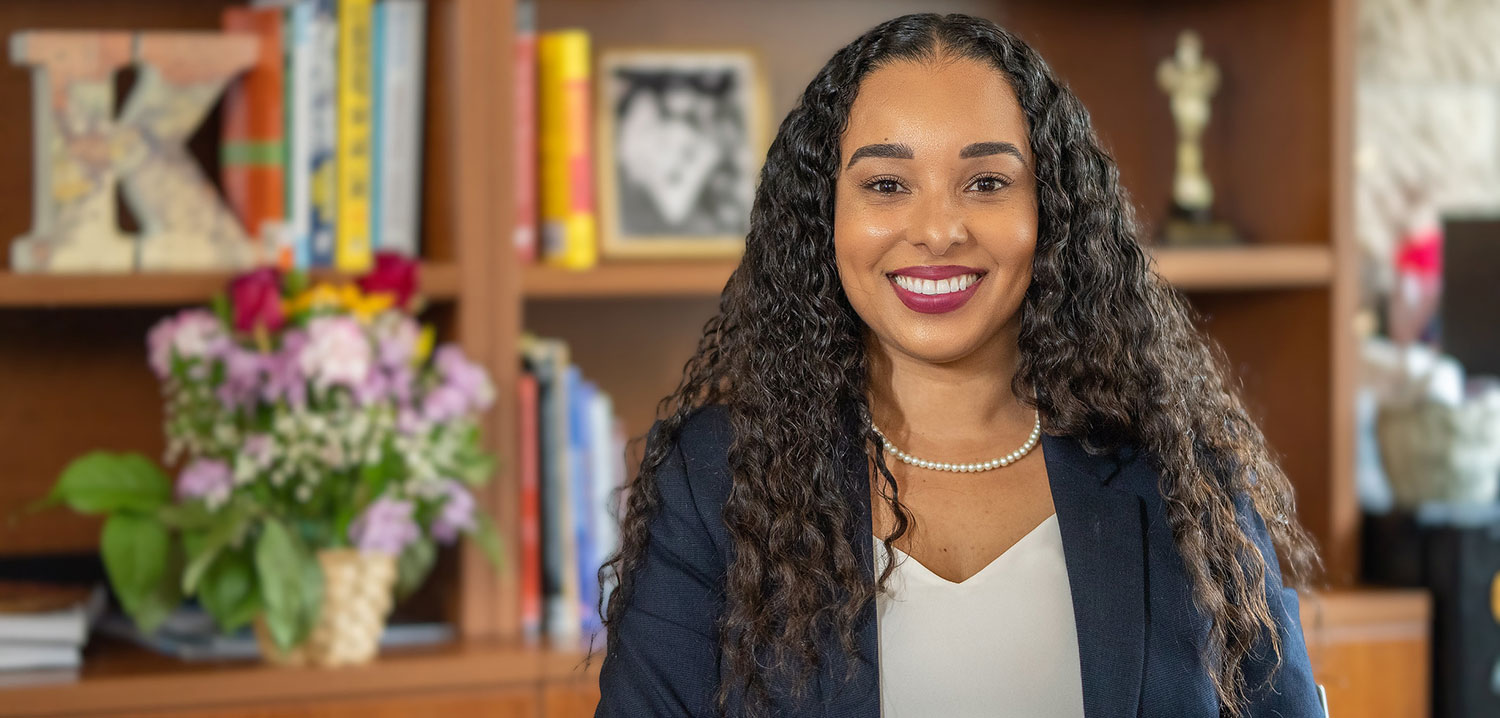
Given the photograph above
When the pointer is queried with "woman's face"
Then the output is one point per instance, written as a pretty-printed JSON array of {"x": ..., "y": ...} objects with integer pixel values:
[{"x": 935, "y": 215}]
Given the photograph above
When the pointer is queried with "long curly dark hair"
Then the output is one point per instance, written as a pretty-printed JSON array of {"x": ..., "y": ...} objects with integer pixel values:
[{"x": 1109, "y": 355}]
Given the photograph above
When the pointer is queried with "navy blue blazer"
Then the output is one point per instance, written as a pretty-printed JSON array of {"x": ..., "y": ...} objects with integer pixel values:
[{"x": 1138, "y": 631}]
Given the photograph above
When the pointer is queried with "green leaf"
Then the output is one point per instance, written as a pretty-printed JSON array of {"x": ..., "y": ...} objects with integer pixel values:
[
  {"x": 221, "y": 308},
  {"x": 488, "y": 538},
  {"x": 135, "y": 550},
  {"x": 280, "y": 569},
  {"x": 412, "y": 567},
  {"x": 226, "y": 531},
  {"x": 101, "y": 482},
  {"x": 190, "y": 516},
  {"x": 294, "y": 282},
  {"x": 228, "y": 591}
]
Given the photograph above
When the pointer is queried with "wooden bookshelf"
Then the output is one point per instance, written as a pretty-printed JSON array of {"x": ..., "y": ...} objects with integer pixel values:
[{"x": 438, "y": 280}]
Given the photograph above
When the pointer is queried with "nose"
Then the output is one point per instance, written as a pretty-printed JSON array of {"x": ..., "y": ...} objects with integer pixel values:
[{"x": 938, "y": 223}]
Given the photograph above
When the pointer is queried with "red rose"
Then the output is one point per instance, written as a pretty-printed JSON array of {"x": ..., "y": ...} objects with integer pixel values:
[
  {"x": 393, "y": 274},
  {"x": 255, "y": 300}
]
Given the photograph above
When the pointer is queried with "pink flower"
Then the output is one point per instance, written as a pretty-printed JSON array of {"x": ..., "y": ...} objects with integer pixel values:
[
  {"x": 386, "y": 526},
  {"x": 393, "y": 274},
  {"x": 206, "y": 479},
  {"x": 457, "y": 514},
  {"x": 255, "y": 299},
  {"x": 192, "y": 334},
  {"x": 337, "y": 352}
]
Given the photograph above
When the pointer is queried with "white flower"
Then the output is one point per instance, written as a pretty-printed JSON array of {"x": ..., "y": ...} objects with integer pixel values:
[{"x": 337, "y": 352}]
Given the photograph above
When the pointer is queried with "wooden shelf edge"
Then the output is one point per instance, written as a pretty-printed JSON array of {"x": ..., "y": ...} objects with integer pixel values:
[
  {"x": 1251, "y": 267},
  {"x": 439, "y": 282},
  {"x": 625, "y": 281},
  {"x": 1239, "y": 268},
  {"x": 116, "y": 682}
]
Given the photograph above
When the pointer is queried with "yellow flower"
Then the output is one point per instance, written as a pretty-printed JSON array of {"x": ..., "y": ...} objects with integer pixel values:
[
  {"x": 364, "y": 306},
  {"x": 425, "y": 341},
  {"x": 319, "y": 296}
]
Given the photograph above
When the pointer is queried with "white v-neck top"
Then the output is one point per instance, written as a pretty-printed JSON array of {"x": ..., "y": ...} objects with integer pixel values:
[{"x": 1001, "y": 642}]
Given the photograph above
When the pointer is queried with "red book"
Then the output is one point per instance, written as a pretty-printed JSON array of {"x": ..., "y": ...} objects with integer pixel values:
[
  {"x": 252, "y": 156},
  {"x": 526, "y": 149},
  {"x": 529, "y": 452}
]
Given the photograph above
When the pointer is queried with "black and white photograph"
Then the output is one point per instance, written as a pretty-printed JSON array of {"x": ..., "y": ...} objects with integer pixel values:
[{"x": 681, "y": 140}]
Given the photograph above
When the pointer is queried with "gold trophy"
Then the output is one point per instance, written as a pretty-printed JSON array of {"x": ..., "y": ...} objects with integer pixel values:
[{"x": 1189, "y": 80}]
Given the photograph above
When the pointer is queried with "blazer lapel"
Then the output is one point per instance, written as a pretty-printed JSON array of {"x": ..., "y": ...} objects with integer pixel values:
[
  {"x": 1104, "y": 548},
  {"x": 1104, "y": 551}
]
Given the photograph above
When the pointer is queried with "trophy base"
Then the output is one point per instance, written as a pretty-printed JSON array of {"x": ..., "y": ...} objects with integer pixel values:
[{"x": 1187, "y": 233}]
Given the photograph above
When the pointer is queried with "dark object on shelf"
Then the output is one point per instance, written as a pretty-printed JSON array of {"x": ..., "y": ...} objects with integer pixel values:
[
  {"x": 1456, "y": 556},
  {"x": 1471, "y": 264}
]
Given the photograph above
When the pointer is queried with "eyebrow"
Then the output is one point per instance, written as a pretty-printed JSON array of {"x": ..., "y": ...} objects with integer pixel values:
[{"x": 902, "y": 151}]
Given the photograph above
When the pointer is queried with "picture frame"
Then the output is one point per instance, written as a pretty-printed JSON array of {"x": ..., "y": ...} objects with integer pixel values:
[{"x": 681, "y": 136}]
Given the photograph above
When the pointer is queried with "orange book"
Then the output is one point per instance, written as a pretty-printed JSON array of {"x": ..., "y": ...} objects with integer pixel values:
[
  {"x": 530, "y": 505},
  {"x": 252, "y": 156}
]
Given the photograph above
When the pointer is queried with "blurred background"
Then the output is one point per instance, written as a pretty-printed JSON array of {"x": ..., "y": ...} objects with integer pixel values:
[{"x": 564, "y": 185}]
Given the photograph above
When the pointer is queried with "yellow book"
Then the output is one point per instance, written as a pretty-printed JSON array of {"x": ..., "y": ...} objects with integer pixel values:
[
  {"x": 569, "y": 234},
  {"x": 352, "y": 252}
]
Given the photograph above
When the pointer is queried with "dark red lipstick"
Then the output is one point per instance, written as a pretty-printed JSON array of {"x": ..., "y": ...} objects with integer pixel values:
[{"x": 935, "y": 303}]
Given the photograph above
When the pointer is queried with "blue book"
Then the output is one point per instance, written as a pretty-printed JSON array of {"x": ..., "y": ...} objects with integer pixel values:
[{"x": 580, "y": 444}]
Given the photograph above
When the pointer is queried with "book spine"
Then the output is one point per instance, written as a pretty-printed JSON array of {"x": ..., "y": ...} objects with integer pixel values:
[
  {"x": 568, "y": 234},
  {"x": 251, "y": 159},
  {"x": 400, "y": 62},
  {"x": 582, "y": 434},
  {"x": 601, "y": 479},
  {"x": 352, "y": 252},
  {"x": 530, "y": 506},
  {"x": 299, "y": 19},
  {"x": 323, "y": 120},
  {"x": 526, "y": 139}
]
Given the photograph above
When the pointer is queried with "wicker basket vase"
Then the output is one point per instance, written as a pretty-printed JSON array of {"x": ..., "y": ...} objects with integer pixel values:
[{"x": 357, "y": 597}]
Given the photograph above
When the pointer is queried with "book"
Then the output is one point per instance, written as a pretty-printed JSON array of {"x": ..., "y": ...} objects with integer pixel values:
[
  {"x": 48, "y": 614},
  {"x": 568, "y": 220},
  {"x": 530, "y": 529},
  {"x": 352, "y": 250},
  {"x": 323, "y": 124},
  {"x": 581, "y": 445},
  {"x": 400, "y": 64},
  {"x": 300, "y": 85},
  {"x": 526, "y": 147},
  {"x": 607, "y": 453},
  {"x": 16, "y": 656},
  {"x": 547, "y": 359},
  {"x": 251, "y": 154}
]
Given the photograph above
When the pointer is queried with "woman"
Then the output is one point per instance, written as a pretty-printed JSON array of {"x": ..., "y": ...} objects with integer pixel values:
[{"x": 950, "y": 446}]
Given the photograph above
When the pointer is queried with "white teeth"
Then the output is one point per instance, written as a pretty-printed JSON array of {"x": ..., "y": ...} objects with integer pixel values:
[{"x": 941, "y": 286}]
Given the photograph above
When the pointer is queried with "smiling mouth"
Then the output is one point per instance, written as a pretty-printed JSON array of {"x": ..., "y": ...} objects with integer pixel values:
[
  {"x": 935, "y": 287},
  {"x": 935, "y": 296}
]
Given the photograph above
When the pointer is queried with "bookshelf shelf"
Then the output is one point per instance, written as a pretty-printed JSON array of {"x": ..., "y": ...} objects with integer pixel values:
[
  {"x": 636, "y": 279},
  {"x": 1210, "y": 269},
  {"x": 439, "y": 282},
  {"x": 1246, "y": 268},
  {"x": 119, "y": 678}
]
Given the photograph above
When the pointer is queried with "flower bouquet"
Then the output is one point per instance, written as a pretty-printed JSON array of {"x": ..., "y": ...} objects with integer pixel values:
[{"x": 325, "y": 448}]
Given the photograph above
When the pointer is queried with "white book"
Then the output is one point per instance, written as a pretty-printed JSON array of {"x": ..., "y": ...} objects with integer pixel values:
[
  {"x": 301, "y": 53},
  {"x": 66, "y": 627},
  {"x": 23, "y": 656},
  {"x": 400, "y": 60}
]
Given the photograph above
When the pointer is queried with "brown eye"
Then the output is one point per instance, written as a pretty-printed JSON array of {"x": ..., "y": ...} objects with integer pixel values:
[
  {"x": 883, "y": 185},
  {"x": 990, "y": 183}
]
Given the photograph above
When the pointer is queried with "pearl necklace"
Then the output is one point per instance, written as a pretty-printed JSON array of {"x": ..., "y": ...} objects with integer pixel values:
[{"x": 978, "y": 466}]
